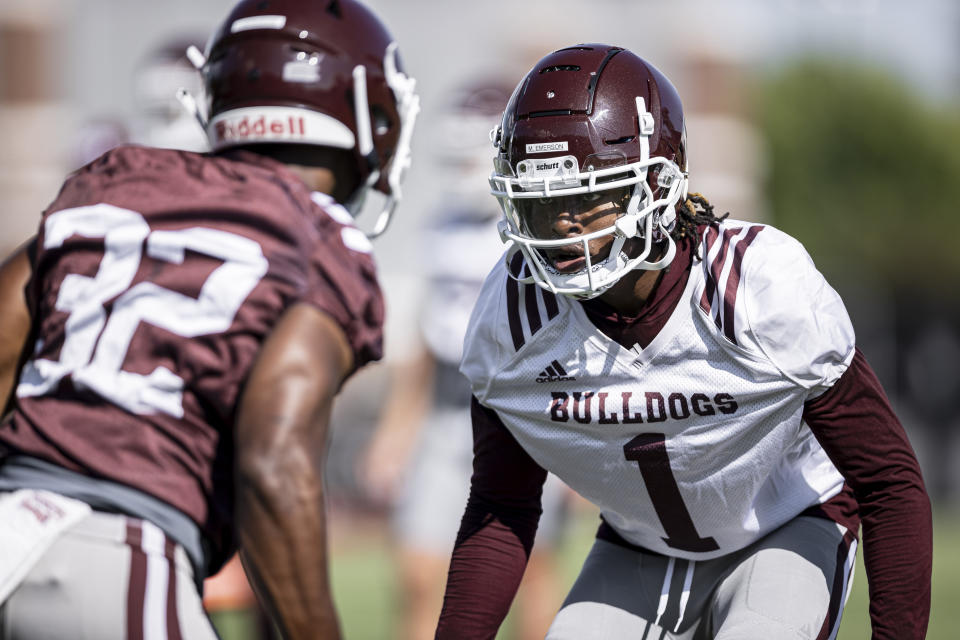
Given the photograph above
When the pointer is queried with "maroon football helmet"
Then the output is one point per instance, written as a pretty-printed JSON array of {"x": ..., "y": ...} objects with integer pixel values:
[
  {"x": 587, "y": 119},
  {"x": 324, "y": 72}
]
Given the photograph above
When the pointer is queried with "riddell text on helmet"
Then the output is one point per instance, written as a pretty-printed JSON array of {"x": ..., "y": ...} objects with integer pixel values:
[{"x": 247, "y": 128}]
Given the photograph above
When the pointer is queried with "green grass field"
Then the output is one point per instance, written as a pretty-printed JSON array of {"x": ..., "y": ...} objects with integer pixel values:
[{"x": 364, "y": 584}]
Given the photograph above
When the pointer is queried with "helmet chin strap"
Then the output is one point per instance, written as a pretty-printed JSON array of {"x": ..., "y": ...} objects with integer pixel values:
[
  {"x": 186, "y": 99},
  {"x": 361, "y": 112},
  {"x": 357, "y": 199},
  {"x": 660, "y": 220},
  {"x": 408, "y": 106},
  {"x": 189, "y": 103},
  {"x": 664, "y": 261}
]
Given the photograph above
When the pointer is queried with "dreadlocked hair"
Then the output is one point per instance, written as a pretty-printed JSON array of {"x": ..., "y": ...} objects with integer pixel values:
[{"x": 694, "y": 212}]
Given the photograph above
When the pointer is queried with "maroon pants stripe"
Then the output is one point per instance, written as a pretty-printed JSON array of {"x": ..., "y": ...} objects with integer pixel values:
[
  {"x": 838, "y": 593},
  {"x": 173, "y": 619},
  {"x": 137, "y": 588}
]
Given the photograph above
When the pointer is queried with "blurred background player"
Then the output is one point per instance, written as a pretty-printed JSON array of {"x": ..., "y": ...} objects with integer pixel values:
[
  {"x": 159, "y": 119},
  {"x": 419, "y": 458},
  {"x": 186, "y": 321}
]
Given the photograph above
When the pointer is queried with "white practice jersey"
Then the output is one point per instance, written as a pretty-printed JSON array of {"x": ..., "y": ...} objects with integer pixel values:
[{"x": 694, "y": 446}]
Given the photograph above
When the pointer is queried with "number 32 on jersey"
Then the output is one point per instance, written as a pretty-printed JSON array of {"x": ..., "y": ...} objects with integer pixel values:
[{"x": 95, "y": 345}]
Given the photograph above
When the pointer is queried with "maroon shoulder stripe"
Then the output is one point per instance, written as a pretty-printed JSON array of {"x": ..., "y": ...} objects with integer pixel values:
[
  {"x": 530, "y": 302},
  {"x": 513, "y": 302},
  {"x": 709, "y": 237},
  {"x": 733, "y": 282},
  {"x": 713, "y": 277},
  {"x": 173, "y": 616},
  {"x": 839, "y": 589},
  {"x": 137, "y": 586},
  {"x": 550, "y": 302}
]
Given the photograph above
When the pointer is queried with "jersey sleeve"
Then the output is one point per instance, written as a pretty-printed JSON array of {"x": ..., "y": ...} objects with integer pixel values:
[
  {"x": 496, "y": 533},
  {"x": 858, "y": 429},
  {"x": 483, "y": 346},
  {"x": 342, "y": 282},
  {"x": 792, "y": 315}
]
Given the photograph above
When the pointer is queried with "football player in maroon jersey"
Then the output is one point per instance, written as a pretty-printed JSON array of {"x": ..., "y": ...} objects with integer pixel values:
[
  {"x": 172, "y": 339},
  {"x": 695, "y": 377}
]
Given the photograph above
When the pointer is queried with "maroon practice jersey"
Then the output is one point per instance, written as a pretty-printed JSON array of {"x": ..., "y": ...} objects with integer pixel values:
[{"x": 158, "y": 275}]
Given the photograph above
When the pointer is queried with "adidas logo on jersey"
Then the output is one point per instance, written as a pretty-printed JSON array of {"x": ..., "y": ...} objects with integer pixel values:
[{"x": 554, "y": 373}]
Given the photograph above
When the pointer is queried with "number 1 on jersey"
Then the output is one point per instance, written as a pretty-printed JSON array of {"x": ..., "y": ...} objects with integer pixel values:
[{"x": 649, "y": 450}]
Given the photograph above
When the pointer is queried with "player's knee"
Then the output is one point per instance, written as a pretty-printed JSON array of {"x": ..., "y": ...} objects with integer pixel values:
[
  {"x": 579, "y": 620},
  {"x": 785, "y": 596}
]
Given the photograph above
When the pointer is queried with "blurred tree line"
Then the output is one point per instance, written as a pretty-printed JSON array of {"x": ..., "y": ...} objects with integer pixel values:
[{"x": 864, "y": 171}]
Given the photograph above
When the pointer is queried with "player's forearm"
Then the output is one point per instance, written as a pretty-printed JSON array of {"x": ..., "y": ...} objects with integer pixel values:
[
  {"x": 897, "y": 553},
  {"x": 282, "y": 530},
  {"x": 280, "y": 440},
  {"x": 496, "y": 533},
  {"x": 485, "y": 571},
  {"x": 858, "y": 429},
  {"x": 14, "y": 319}
]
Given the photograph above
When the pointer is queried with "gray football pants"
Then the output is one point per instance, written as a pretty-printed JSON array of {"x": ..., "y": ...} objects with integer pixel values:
[
  {"x": 791, "y": 584},
  {"x": 109, "y": 577}
]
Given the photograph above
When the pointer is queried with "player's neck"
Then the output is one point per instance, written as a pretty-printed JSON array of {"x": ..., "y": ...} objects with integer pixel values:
[
  {"x": 316, "y": 178},
  {"x": 629, "y": 296},
  {"x": 631, "y": 293}
]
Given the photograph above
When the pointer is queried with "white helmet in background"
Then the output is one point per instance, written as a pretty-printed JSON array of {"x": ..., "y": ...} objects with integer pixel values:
[
  {"x": 160, "y": 120},
  {"x": 463, "y": 150}
]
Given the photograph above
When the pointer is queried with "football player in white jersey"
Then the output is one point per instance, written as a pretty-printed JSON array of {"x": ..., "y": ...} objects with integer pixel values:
[{"x": 695, "y": 377}]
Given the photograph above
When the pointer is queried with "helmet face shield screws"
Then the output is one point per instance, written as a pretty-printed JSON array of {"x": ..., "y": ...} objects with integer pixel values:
[{"x": 613, "y": 128}]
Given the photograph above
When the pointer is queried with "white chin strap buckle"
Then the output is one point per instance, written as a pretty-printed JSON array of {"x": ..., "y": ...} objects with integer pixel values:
[
  {"x": 627, "y": 225},
  {"x": 503, "y": 229}
]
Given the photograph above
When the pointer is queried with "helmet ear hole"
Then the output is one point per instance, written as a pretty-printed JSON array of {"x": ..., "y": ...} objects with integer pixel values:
[{"x": 334, "y": 9}]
